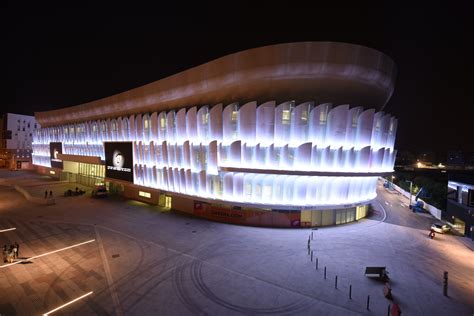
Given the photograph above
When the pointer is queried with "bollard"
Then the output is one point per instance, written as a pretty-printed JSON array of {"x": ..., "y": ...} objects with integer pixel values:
[
  {"x": 350, "y": 292},
  {"x": 311, "y": 235},
  {"x": 324, "y": 273},
  {"x": 368, "y": 302},
  {"x": 445, "y": 283},
  {"x": 316, "y": 263},
  {"x": 309, "y": 249},
  {"x": 335, "y": 283},
  {"x": 311, "y": 255},
  {"x": 388, "y": 310}
]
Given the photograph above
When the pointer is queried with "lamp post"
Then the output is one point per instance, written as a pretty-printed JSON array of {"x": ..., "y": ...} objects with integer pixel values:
[
  {"x": 411, "y": 185},
  {"x": 393, "y": 177}
]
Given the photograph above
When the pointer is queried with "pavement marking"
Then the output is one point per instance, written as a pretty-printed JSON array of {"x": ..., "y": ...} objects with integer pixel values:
[
  {"x": 108, "y": 274},
  {"x": 217, "y": 266},
  {"x": 48, "y": 253},
  {"x": 68, "y": 303},
  {"x": 384, "y": 213},
  {"x": 7, "y": 230}
]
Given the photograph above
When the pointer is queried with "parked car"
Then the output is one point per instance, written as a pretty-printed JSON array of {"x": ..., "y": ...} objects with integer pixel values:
[
  {"x": 99, "y": 191},
  {"x": 440, "y": 228}
]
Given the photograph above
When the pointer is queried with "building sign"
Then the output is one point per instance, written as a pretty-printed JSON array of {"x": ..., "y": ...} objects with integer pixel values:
[
  {"x": 54, "y": 150},
  {"x": 119, "y": 160}
]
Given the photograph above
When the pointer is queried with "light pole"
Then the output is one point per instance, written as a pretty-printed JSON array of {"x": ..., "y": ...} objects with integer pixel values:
[
  {"x": 393, "y": 177},
  {"x": 411, "y": 185}
]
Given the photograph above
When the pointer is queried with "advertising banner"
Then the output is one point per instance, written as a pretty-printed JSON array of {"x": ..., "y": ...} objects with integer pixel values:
[
  {"x": 119, "y": 160},
  {"x": 54, "y": 150},
  {"x": 247, "y": 216}
]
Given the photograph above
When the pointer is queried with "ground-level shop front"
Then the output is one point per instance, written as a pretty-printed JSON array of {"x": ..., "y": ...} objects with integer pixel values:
[{"x": 243, "y": 214}]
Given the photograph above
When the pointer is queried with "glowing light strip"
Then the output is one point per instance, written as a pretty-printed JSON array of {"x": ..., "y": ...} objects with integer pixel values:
[
  {"x": 48, "y": 253},
  {"x": 6, "y": 230},
  {"x": 68, "y": 303}
]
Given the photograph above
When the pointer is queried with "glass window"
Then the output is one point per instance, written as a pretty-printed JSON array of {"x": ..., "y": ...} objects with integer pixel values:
[
  {"x": 163, "y": 122},
  {"x": 354, "y": 119},
  {"x": 323, "y": 116},
  {"x": 304, "y": 116},
  {"x": 285, "y": 117},
  {"x": 205, "y": 118},
  {"x": 234, "y": 116},
  {"x": 248, "y": 190},
  {"x": 377, "y": 125}
]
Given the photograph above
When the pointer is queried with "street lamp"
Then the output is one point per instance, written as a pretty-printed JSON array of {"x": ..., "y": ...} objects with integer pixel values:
[{"x": 411, "y": 185}]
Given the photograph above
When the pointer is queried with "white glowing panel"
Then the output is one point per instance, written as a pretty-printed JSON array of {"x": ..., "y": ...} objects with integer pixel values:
[{"x": 184, "y": 150}]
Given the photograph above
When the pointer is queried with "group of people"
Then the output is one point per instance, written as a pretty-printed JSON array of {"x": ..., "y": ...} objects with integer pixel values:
[
  {"x": 11, "y": 253},
  {"x": 46, "y": 194}
]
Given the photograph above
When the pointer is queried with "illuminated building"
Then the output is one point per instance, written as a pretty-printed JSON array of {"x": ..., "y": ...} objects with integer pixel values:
[
  {"x": 460, "y": 203},
  {"x": 209, "y": 142},
  {"x": 16, "y": 136}
]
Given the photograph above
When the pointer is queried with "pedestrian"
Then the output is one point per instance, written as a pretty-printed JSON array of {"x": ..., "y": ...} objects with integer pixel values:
[
  {"x": 17, "y": 249},
  {"x": 10, "y": 254},
  {"x": 5, "y": 253},
  {"x": 50, "y": 194},
  {"x": 46, "y": 194}
]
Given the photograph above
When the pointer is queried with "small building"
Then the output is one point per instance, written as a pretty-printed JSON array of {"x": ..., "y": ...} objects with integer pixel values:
[
  {"x": 16, "y": 137},
  {"x": 460, "y": 203}
]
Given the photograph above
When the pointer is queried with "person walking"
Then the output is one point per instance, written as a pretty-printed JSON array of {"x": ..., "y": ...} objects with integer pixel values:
[
  {"x": 14, "y": 250},
  {"x": 17, "y": 249},
  {"x": 10, "y": 254},
  {"x": 50, "y": 194},
  {"x": 46, "y": 194},
  {"x": 5, "y": 253}
]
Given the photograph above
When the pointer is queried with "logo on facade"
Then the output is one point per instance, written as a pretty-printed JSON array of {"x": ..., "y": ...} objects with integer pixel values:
[
  {"x": 119, "y": 160},
  {"x": 55, "y": 149}
]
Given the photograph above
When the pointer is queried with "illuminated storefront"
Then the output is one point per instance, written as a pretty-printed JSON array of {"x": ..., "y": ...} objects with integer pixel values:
[{"x": 258, "y": 163}]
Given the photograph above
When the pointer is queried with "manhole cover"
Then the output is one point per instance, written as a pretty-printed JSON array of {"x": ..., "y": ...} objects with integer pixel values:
[
  {"x": 115, "y": 256},
  {"x": 194, "y": 231}
]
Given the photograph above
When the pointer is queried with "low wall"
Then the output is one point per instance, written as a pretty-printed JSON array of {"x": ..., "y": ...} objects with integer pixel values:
[
  {"x": 430, "y": 208},
  {"x": 33, "y": 199}
]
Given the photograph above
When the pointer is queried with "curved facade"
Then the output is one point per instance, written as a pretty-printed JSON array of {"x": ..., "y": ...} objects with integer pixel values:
[{"x": 313, "y": 160}]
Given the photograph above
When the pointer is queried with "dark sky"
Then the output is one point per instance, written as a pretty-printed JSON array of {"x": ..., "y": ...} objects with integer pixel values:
[{"x": 63, "y": 56}]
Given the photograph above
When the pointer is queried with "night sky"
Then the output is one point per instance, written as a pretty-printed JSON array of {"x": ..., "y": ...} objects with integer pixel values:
[{"x": 58, "y": 57}]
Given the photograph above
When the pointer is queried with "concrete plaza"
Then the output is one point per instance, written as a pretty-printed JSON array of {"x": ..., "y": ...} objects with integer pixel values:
[{"x": 148, "y": 261}]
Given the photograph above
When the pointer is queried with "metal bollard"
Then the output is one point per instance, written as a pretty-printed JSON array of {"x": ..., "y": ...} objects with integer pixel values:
[
  {"x": 350, "y": 292},
  {"x": 311, "y": 255},
  {"x": 335, "y": 283},
  {"x": 316, "y": 263},
  {"x": 311, "y": 235},
  {"x": 368, "y": 302},
  {"x": 324, "y": 273},
  {"x": 445, "y": 283}
]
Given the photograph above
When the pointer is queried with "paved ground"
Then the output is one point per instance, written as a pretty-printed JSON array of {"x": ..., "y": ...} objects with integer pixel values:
[{"x": 148, "y": 262}]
